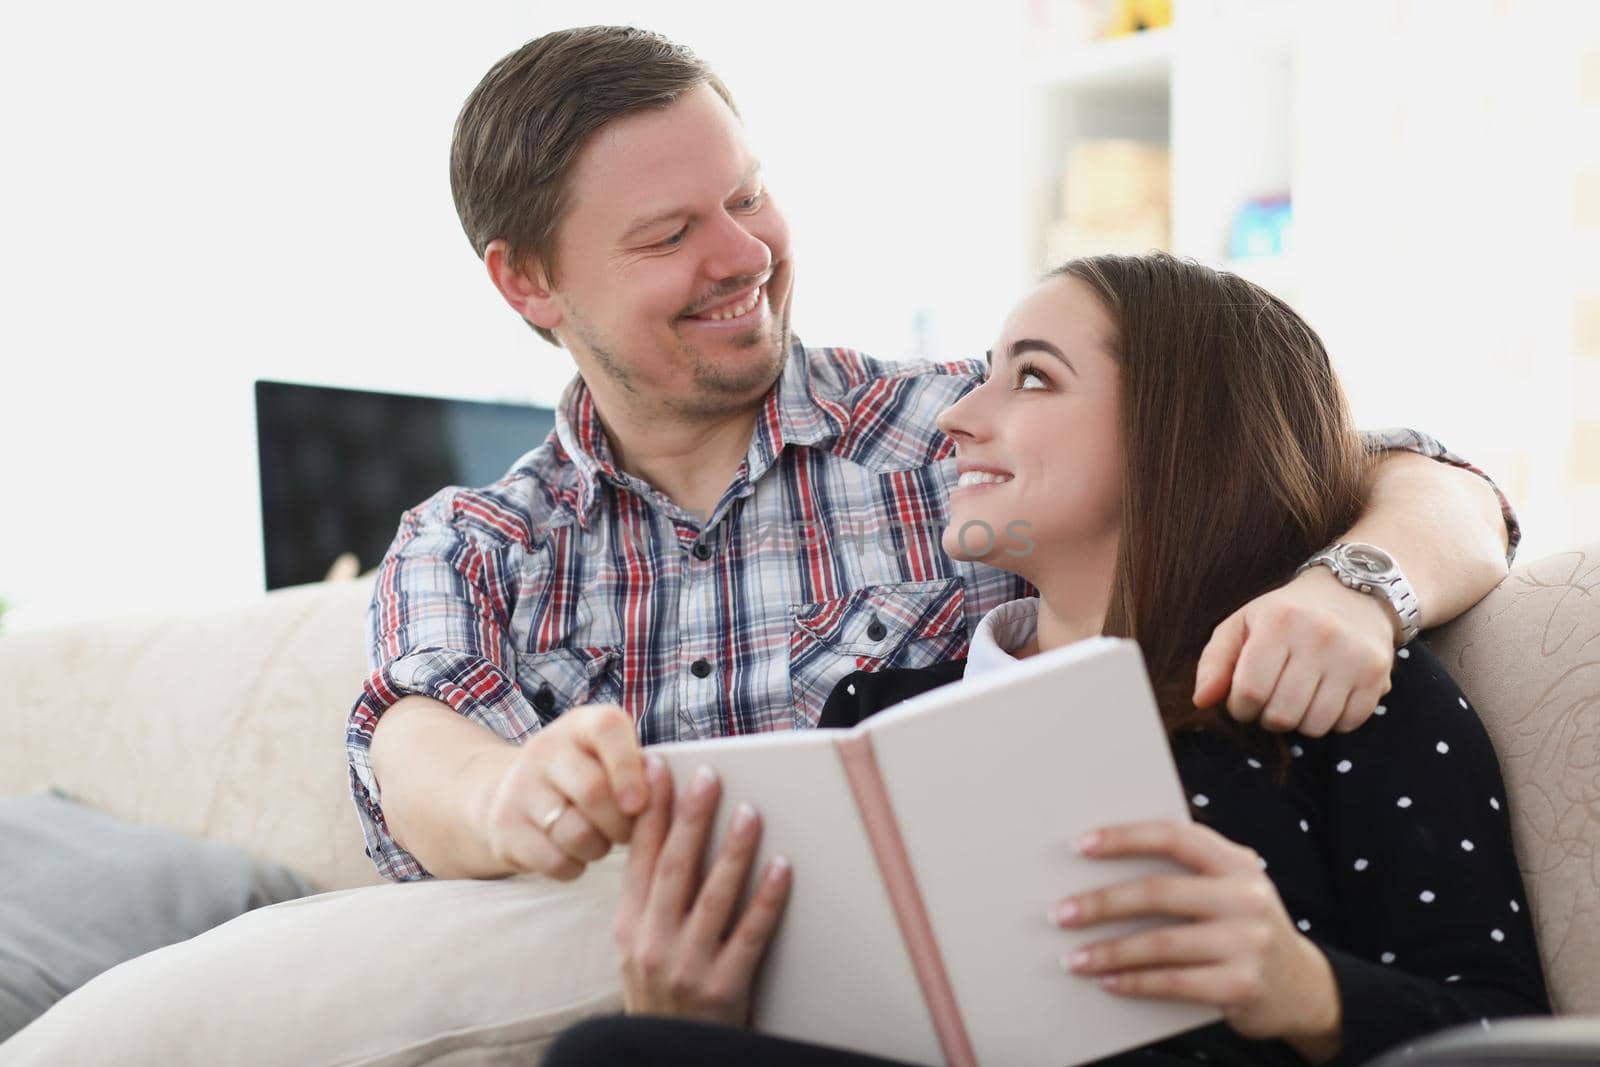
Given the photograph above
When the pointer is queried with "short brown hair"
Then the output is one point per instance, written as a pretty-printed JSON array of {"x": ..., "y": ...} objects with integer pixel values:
[
  {"x": 520, "y": 132},
  {"x": 1241, "y": 459}
]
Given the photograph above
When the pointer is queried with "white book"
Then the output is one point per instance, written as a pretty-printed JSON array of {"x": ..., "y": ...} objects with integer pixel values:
[{"x": 928, "y": 845}]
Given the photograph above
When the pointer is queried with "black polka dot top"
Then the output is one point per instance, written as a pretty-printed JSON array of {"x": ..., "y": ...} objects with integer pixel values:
[{"x": 1390, "y": 847}]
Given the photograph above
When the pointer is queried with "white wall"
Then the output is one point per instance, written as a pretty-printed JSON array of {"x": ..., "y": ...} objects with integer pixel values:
[
  {"x": 1436, "y": 235},
  {"x": 199, "y": 194}
]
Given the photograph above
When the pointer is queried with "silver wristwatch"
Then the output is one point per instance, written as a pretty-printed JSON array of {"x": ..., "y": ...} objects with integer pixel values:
[{"x": 1369, "y": 569}]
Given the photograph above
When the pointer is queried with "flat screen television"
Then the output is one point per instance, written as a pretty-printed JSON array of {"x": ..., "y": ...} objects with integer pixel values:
[{"x": 338, "y": 467}]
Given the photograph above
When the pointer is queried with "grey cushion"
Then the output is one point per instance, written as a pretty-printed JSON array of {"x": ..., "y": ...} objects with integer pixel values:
[{"x": 81, "y": 892}]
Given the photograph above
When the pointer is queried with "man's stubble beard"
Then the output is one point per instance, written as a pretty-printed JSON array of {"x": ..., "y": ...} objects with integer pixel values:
[{"x": 715, "y": 392}]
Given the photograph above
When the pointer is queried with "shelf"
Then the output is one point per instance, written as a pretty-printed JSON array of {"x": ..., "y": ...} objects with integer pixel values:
[{"x": 1139, "y": 64}]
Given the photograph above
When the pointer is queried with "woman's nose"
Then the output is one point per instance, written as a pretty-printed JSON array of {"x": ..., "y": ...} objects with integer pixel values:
[{"x": 964, "y": 420}]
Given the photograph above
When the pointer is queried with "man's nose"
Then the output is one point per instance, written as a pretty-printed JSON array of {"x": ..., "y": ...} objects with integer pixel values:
[{"x": 736, "y": 252}]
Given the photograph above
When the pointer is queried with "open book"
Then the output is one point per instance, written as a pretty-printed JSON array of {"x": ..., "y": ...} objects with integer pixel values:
[{"x": 929, "y": 844}]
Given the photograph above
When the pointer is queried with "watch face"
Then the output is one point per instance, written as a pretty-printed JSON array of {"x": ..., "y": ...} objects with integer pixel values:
[{"x": 1367, "y": 560}]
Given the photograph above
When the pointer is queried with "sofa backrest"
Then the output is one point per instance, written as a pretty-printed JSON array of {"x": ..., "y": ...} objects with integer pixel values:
[
  {"x": 228, "y": 724},
  {"x": 1528, "y": 658}
]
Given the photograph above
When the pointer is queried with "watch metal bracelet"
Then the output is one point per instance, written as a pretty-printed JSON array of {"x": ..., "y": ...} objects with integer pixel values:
[{"x": 1369, "y": 569}]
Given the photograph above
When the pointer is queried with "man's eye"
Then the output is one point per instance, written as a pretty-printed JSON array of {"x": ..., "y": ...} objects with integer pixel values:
[{"x": 675, "y": 239}]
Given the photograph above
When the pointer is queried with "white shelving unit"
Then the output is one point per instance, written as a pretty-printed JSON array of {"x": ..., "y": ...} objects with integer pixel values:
[
  {"x": 1432, "y": 154},
  {"x": 1216, "y": 89}
]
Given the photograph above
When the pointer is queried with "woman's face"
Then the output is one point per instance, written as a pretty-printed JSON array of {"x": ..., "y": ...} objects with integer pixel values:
[{"x": 1038, "y": 444}]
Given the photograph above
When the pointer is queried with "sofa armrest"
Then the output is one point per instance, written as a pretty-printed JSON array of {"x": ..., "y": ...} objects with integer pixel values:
[{"x": 1528, "y": 658}]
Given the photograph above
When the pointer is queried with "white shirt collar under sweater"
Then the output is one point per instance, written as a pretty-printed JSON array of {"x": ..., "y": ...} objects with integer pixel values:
[{"x": 1011, "y": 625}]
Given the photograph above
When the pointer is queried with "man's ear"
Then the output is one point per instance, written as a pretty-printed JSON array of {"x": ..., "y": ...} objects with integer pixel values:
[{"x": 528, "y": 291}]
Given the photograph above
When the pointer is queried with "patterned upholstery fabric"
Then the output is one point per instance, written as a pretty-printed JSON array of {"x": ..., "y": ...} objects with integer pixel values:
[
  {"x": 228, "y": 724},
  {"x": 1528, "y": 657}
]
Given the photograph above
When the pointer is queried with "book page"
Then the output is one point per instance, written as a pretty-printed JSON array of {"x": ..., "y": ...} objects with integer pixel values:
[
  {"x": 992, "y": 780},
  {"x": 837, "y": 972}
]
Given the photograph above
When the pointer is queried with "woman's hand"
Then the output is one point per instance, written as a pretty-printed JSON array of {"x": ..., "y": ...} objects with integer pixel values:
[
  {"x": 679, "y": 956},
  {"x": 1240, "y": 953}
]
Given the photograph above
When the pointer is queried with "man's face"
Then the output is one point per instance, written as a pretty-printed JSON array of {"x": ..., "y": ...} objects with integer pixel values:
[{"x": 673, "y": 272}]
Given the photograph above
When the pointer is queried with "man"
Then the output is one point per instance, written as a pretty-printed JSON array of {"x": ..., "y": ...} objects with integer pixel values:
[{"x": 724, "y": 523}]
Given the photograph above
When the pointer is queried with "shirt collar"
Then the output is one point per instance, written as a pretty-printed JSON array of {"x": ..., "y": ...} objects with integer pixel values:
[
  {"x": 584, "y": 441},
  {"x": 1008, "y": 626},
  {"x": 791, "y": 414},
  {"x": 794, "y": 414}
]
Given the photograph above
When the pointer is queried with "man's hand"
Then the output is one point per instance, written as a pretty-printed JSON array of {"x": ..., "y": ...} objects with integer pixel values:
[
  {"x": 1311, "y": 656},
  {"x": 569, "y": 794},
  {"x": 679, "y": 955}
]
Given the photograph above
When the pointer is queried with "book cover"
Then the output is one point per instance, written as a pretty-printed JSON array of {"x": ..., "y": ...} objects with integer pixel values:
[{"x": 928, "y": 844}]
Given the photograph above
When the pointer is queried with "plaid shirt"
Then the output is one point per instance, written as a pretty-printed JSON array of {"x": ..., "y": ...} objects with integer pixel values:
[{"x": 571, "y": 582}]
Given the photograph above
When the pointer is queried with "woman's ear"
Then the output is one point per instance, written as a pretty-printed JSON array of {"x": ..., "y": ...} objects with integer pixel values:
[{"x": 528, "y": 291}]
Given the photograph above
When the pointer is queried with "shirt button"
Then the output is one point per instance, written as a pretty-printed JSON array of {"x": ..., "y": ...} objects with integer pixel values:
[
  {"x": 876, "y": 630},
  {"x": 700, "y": 668},
  {"x": 544, "y": 700},
  {"x": 702, "y": 550}
]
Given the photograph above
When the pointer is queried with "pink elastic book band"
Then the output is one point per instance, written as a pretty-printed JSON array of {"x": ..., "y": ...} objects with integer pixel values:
[{"x": 883, "y": 831}]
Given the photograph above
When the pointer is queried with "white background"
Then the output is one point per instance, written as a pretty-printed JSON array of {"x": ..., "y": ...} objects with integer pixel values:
[{"x": 197, "y": 195}]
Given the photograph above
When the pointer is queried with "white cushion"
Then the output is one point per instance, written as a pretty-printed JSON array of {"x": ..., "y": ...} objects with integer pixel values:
[{"x": 464, "y": 973}]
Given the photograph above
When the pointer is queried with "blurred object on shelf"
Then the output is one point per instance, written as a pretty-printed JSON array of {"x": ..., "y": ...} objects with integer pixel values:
[
  {"x": 1114, "y": 198},
  {"x": 1262, "y": 228},
  {"x": 1136, "y": 16},
  {"x": 1062, "y": 25}
]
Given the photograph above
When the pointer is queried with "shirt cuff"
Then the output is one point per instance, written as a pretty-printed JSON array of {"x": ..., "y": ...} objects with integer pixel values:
[
  {"x": 1401, "y": 439},
  {"x": 474, "y": 687}
]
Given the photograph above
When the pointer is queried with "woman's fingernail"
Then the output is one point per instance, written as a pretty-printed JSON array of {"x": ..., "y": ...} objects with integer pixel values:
[
  {"x": 1075, "y": 961},
  {"x": 1110, "y": 981},
  {"x": 744, "y": 817},
  {"x": 777, "y": 868},
  {"x": 1065, "y": 912},
  {"x": 704, "y": 779},
  {"x": 1089, "y": 842},
  {"x": 632, "y": 798}
]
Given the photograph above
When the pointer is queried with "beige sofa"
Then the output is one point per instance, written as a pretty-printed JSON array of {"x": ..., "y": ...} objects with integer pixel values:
[{"x": 230, "y": 725}]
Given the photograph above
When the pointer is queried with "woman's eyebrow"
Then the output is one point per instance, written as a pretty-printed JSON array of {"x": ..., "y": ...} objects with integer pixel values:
[{"x": 1029, "y": 344}]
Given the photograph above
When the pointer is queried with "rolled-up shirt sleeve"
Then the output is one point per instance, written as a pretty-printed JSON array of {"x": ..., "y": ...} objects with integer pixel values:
[
  {"x": 438, "y": 626},
  {"x": 1402, "y": 439}
]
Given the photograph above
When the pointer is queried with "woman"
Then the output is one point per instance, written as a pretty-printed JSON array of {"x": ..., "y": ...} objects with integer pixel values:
[{"x": 1177, "y": 442}]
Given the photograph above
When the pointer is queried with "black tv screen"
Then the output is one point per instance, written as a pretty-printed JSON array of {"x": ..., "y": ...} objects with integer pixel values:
[{"x": 338, "y": 467}]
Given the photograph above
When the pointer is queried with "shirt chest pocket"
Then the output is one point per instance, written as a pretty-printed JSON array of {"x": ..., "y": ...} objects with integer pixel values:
[
  {"x": 909, "y": 624},
  {"x": 563, "y": 678}
]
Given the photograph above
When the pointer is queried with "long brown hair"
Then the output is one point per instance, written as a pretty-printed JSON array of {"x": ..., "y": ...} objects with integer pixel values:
[
  {"x": 1240, "y": 456},
  {"x": 521, "y": 130}
]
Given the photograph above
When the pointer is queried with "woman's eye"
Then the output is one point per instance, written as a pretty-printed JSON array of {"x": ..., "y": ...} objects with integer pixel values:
[
  {"x": 1032, "y": 379},
  {"x": 751, "y": 201}
]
